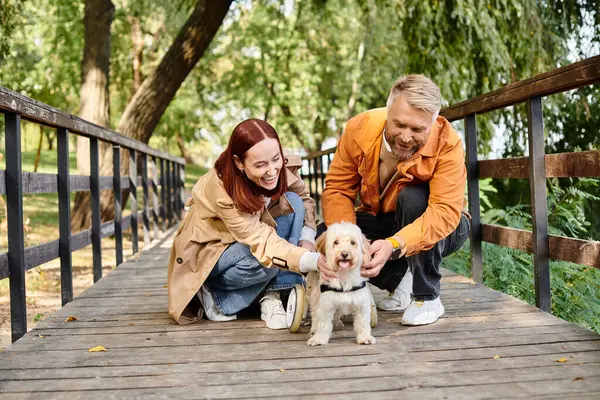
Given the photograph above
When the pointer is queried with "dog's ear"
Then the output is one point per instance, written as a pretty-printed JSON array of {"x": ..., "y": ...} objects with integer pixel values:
[
  {"x": 366, "y": 249},
  {"x": 321, "y": 243}
]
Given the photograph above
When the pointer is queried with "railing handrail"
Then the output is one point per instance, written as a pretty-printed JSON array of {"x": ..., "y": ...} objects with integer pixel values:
[
  {"x": 573, "y": 76},
  {"x": 14, "y": 183},
  {"x": 45, "y": 114}
]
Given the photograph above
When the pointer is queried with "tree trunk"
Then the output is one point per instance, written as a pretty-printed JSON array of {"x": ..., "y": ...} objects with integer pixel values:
[
  {"x": 94, "y": 99},
  {"x": 50, "y": 139},
  {"x": 184, "y": 151},
  {"x": 156, "y": 92},
  {"x": 137, "y": 39}
]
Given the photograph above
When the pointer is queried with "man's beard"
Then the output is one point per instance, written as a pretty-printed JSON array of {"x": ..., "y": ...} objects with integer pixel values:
[{"x": 404, "y": 154}]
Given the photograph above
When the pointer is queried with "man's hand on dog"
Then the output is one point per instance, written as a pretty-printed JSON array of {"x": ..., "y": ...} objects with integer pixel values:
[
  {"x": 326, "y": 272},
  {"x": 381, "y": 250}
]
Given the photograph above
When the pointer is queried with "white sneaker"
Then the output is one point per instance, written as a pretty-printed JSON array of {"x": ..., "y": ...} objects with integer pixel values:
[
  {"x": 210, "y": 309},
  {"x": 423, "y": 312},
  {"x": 272, "y": 311},
  {"x": 400, "y": 299}
]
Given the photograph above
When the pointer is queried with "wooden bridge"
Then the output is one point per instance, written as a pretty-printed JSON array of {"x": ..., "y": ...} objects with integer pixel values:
[{"x": 487, "y": 345}]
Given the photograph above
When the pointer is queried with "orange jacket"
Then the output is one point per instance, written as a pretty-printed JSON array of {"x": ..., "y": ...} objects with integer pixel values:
[{"x": 355, "y": 167}]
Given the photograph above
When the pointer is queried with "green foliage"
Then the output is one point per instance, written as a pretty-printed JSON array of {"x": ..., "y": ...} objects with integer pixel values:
[{"x": 9, "y": 10}]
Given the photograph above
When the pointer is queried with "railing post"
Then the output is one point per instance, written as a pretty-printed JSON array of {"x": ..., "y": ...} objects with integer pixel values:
[
  {"x": 182, "y": 188},
  {"x": 174, "y": 187},
  {"x": 168, "y": 192},
  {"x": 64, "y": 217},
  {"x": 14, "y": 204},
  {"x": 163, "y": 194},
  {"x": 95, "y": 197},
  {"x": 316, "y": 181},
  {"x": 117, "y": 203},
  {"x": 539, "y": 205},
  {"x": 473, "y": 196},
  {"x": 133, "y": 200},
  {"x": 155, "y": 207},
  {"x": 145, "y": 218}
]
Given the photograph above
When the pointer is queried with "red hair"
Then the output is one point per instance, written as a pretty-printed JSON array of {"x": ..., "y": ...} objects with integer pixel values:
[{"x": 246, "y": 195}]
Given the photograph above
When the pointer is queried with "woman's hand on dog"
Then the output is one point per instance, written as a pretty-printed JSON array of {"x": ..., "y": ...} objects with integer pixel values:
[
  {"x": 326, "y": 272},
  {"x": 307, "y": 245},
  {"x": 381, "y": 250}
]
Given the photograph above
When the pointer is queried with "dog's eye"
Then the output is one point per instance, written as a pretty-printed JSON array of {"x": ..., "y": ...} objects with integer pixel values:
[
  {"x": 352, "y": 242},
  {"x": 335, "y": 242}
]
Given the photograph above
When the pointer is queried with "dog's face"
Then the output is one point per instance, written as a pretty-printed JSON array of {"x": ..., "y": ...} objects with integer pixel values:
[{"x": 344, "y": 246}]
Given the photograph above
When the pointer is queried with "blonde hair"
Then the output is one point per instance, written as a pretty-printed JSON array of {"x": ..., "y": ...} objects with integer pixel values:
[{"x": 419, "y": 92}]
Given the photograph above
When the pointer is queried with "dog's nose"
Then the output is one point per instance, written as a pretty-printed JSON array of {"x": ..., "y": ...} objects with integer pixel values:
[{"x": 344, "y": 254}]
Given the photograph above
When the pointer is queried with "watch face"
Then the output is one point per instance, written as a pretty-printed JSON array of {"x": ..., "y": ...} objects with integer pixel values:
[{"x": 396, "y": 254}]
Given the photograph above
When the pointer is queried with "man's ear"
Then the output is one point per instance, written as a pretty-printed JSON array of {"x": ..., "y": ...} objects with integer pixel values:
[
  {"x": 366, "y": 249},
  {"x": 321, "y": 243}
]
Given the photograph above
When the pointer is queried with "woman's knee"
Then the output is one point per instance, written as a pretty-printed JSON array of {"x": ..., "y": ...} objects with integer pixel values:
[{"x": 296, "y": 202}]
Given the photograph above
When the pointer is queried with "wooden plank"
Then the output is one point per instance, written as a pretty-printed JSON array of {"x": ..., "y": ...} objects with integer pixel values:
[
  {"x": 39, "y": 112},
  {"x": 451, "y": 339},
  {"x": 294, "y": 376},
  {"x": 572, "y": 76},
  {"x": 584, "y": 252},
  {"x": 581, "y": 164}
]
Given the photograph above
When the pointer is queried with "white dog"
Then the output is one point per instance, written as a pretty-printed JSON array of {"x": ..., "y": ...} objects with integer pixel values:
[{"x": 346, "y": 249}]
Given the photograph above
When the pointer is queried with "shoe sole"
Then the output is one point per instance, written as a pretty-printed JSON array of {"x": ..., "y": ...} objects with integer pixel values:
[
  {"x": 392, "y": 309},
  {"x": 274, "y": 327},
  {"x": 440, "y": 312}
]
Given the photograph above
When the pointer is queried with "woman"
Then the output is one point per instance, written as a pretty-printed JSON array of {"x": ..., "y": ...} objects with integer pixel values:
[{"x": 249, "y": 231}]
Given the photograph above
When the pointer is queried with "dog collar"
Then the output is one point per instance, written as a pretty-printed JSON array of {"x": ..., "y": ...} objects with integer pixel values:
[{"x": 327, "y": 288}]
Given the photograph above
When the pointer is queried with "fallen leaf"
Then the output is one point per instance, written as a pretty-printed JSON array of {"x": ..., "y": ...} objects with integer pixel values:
[
  {"x": 164, "y": 286},
  {"x": 562, "y": 360},
  {"x": 468, "y": 300},
  {"x": 496, "y": 357},
  {"x": 1, "y": 349},
  {"x": 147, "y": 295},
  {"x": 131, "y": 324},
  {"x": 281, "y": 370},
  {"x": 41, "y": 336},
  {"x": 579, "y": 378},
  {"x": 96, "y": 349},
  {"x": 71, "y": 318}
]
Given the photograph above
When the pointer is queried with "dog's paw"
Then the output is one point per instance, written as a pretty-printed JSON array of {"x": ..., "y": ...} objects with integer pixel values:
[
  {"x": 367, "y": 339},
  {"x": 338, "y": 323},
  {"x": 318, "y": 340}
]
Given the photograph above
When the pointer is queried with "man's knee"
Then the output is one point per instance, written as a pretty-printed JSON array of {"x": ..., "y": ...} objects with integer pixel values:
[{"x": 413, "y": 199}]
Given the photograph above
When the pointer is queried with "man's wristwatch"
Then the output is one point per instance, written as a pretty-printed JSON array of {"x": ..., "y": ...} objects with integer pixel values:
[{"x": 398, "y": 251}]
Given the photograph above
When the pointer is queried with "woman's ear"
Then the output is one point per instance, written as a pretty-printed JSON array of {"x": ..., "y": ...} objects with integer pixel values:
[
  {"x": 238, "y": 163},
  {"x": 321, "y": 244},
  {"x": 366, "y": 249}
]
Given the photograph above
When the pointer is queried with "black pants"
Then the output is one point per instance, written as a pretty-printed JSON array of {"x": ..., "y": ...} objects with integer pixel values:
[{"x": 425, "y": 266}]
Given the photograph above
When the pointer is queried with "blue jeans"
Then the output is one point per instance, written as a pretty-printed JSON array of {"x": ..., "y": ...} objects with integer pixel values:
[{"x": 238, "y": 277}]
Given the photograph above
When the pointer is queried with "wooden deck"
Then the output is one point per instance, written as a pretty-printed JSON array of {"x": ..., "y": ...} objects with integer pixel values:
[{"x": 488, "y": 345}]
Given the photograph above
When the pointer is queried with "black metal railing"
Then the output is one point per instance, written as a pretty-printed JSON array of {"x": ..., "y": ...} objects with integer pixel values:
[
  {"x": 537, "y": 167},
  {"x": 14, "y": 183}
]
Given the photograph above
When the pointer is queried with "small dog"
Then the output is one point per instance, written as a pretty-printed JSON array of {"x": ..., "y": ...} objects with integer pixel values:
[{"x": 346, "y": 249}]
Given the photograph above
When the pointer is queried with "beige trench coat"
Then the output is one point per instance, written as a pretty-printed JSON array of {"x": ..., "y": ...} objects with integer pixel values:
[{"x": 213, "y": 223}]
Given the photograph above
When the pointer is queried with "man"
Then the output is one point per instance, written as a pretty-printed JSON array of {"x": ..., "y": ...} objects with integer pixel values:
[{"x": 407, "y": 163}]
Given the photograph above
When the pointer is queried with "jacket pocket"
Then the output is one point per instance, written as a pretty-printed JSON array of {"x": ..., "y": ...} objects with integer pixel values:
[{"x": 186, "y": 253}]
